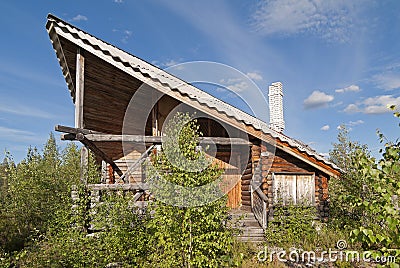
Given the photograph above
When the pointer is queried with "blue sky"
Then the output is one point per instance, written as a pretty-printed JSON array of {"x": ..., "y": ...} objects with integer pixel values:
[{"x": 339, "y": 61}]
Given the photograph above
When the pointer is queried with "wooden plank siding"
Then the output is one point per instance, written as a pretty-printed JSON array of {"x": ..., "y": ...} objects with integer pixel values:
[
  {"x": 123, "y": 163},
  {"x": 231, "y": 179}
]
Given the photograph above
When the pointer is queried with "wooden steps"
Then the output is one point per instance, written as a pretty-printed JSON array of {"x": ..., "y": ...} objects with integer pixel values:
[{"x": 248, "y": 226}]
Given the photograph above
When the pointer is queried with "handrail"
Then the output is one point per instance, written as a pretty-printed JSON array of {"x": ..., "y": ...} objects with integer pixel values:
[
  {"x": 259, "y": 192},
  {"x": 137, "y": 163},
  {"x": 259, "y": 201}
]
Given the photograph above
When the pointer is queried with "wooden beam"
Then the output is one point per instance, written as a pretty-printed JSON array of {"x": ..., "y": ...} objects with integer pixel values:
[
  {"x": 68, "y": 137},
  {"x": 118, "y": 187},
  {"x": 99, "y": 153},
  {"x": 74, "y": 130},
  {"x": 225, "y": 141},
  {"x": 79, "y": 88},
  {"x": 101, "y": 137},
  {"x": 127, "y": 138},
  {"x": 150, "y": 139},
  {"x": 158, "y": 139}
]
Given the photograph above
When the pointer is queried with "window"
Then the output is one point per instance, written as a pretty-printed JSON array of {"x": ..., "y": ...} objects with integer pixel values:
[{"x": 294, "y": 189}]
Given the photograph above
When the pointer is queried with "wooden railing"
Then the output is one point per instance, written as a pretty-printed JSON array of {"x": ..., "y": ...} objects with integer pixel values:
[
  {"x": 259, "y": 201},
  {"x": 137, "y": 164}
]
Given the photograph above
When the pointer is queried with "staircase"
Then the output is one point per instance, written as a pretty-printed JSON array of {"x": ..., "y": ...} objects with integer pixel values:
[{"x": 248, "y": 226}]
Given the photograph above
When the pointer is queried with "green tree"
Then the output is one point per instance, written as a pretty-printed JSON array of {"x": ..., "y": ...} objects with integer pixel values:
[
  {"x": 351, "y": 183},
  {"x": 34, "y": 191},
  {"x": 4, "y": 180},
  {"x": 380, "y": 226},
  {"x": 185, "y": 235},
  {"x": 123, "y": 240}
]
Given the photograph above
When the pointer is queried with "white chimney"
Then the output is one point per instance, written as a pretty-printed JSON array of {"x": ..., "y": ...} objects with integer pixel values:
[{"x": 275, "y": 95}]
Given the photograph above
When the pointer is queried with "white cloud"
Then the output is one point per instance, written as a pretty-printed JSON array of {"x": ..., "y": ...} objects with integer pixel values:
[
  {"x": 170, "y": 63},
  {"x": 387, "y": 81},
  {"x": 379, "y": 104},
  {"x": 235, "y": 84},
  {"x": 350, "y": 125},
  {"x": 329, "y": 19},
  {"x": 373, "y": 105},
  {"x": 255, "y": 76},
  {"x": 352, "y": 88},
  {"x": 17, "y": 135},
  {"x": 325, "y": 128},
  {"x": 238, "y": 87},
  {"x": 79, "y": 17},
  {"x": 317, "y": 99},
  {"x": 355, "y": 123},
  {"x": 4, "y": 131},
  {"x": 337, "y": 104},
  {"x": 217, "y": 19},
  {"x": 127, "y": 35},
  {"x": 351, "y": 108},
  {"x": 118, "y": 1},
  {"x": 24, "y": 110}
]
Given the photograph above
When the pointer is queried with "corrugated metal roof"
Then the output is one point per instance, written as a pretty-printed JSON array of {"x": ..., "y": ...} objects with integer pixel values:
[{"x": 57, "y": 26}]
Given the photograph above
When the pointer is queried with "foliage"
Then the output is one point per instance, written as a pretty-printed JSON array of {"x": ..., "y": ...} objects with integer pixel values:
[
  {"x": 122, "y": 241},
  {"x": 34, "y": 192},
  {"x": 187, "y": 236},
  {"x": 380, "y": 225},
  {"x": 245, "y": 256},
  {"x": 344, "y": 189},
  {"x": 42, "y": 230},
  {"x": 290, "y": 225},
  {"x": 296, "y": 228},
  {"x": 33, "y": 195},
  {"x": 365, "y": 200}
]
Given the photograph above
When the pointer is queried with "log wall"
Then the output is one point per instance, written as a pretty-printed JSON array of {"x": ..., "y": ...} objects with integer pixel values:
[
  {"x": 322, "y": 196},
  {"x": 282, "y": 162}
]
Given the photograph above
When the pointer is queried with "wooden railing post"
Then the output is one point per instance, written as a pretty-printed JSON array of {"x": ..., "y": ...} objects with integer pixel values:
[
  {"x": 264, "y": 215},
  {"x": 259, "y": 201},
  {"x": 251, "y": 196}
]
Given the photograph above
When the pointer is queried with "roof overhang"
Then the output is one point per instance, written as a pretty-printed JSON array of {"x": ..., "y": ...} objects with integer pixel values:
[{"x": 113, "y": 76}]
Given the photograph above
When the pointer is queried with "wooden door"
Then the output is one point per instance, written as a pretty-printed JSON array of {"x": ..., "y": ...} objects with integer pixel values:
[
  {"x": 294, "y": 188},
  {"x": 231, "y": 182}
]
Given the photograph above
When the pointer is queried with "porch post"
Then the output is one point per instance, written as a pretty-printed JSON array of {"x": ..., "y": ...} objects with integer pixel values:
[{"x": 79, "y": 89}]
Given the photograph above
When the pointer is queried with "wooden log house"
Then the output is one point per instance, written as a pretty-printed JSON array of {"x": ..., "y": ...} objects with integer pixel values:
[{"x": 103, "y": 79}]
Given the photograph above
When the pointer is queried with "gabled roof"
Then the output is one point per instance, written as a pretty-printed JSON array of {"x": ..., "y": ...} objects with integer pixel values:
[{"x": 169, "y": 84}]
